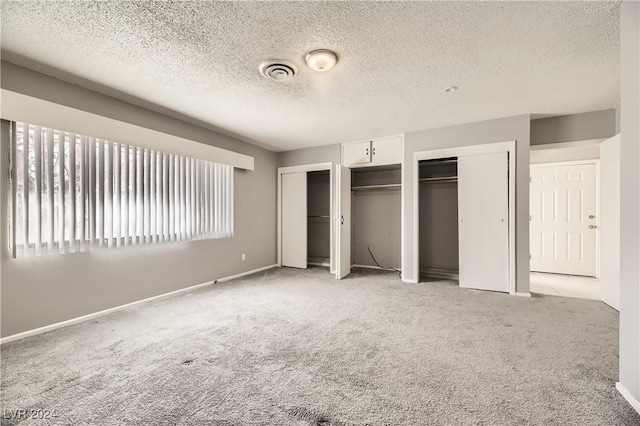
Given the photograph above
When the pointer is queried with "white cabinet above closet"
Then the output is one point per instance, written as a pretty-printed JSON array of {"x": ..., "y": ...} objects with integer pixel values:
[{"x": 374, "y": 152}]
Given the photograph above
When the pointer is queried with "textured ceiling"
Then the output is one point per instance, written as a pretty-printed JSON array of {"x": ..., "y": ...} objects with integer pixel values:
[{"x": 200, "y": 60}]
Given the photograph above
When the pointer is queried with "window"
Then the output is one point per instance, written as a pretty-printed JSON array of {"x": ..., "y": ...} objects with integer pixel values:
[{"x": 75, "y": 193}]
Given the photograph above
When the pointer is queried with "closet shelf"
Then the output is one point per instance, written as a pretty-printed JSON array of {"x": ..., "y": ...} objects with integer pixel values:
[
  {"x": 427, "y": 163},
  {"x": 374, "y": 187},
  {"x": 443, "y": 179}
]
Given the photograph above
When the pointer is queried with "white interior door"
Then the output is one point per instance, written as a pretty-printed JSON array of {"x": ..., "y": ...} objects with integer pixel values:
[
  {"x": 343, "y": 218},
  {"x": 483, "y": 214},
  {"x": 563, "y": 219},
  {"x": 609, "y": 223},
  {"x": 294, "y": 220}
]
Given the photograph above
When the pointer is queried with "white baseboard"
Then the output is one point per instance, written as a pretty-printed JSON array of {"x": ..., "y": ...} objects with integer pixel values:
[
  {"x": 87, "y": 317},
  {"x": 627, "y": 395},
  {"x": 244, "y": 274},
  {"x": 523, "y": 294}
]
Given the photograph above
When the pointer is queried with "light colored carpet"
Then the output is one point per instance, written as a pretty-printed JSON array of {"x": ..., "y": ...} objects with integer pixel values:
[{"x": 297, "y": 347}]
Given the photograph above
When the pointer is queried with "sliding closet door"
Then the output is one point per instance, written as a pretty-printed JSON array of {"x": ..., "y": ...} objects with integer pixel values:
[
  {"x": 343, "y": 218},
  {"x": 483, "y": 214},
  {"x": 294, "y": 219}
]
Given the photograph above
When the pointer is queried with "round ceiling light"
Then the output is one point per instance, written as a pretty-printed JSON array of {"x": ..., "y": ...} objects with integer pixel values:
[
  {"x": 451, "y": 89},
  {"x": 321, "y": 60}
]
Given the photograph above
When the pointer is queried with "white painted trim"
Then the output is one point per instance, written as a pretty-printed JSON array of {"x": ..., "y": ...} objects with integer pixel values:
[
  {"x": 87, "y": 317},
  {"x": 562, "y": 145},
  {"x": 627, "y": 395},
  {"x": 523, "y": 294},
  {"x": 19, "y": 107},
  {"x": 596, "y": 163},
  {"x": 306, "y": 168},
  {"x": 509, "y": 147},
  {"x": 299, "y": 169},
  {"x": 565, "y": 163},
  {"x": 244, "y": 274},
  {"x": 487, "y": 148}
]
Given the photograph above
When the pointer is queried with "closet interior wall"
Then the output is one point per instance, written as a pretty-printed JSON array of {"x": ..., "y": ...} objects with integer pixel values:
[
  {"x": 376, "y": 216},
  {"x": 318, "y": 217},
  {"x": 438, "y": 219}
]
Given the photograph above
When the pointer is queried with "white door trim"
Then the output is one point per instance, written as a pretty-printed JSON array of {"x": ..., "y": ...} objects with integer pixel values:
[
  {"x": 596, "y": 163},
  {"x": 306, "y": 168},
  {"x": 510, "y": 148}
]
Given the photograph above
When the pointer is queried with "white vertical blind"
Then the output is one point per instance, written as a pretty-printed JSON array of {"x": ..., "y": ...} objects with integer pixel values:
[{"x": 76, "y": 193}]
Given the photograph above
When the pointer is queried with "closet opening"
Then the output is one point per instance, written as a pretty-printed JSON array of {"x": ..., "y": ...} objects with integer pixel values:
[
  {"x": 319, "y": 218},
  {"x": 306, "y": 224},
  {"x": 464, "y": 216},
  {"x": 438, "y": 219},
  {"x": 376, "y": 214}
]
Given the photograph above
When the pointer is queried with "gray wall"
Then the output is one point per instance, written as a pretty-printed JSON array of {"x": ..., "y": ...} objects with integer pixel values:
[
  {"x": 591, "y": 152},
  {"x": 318, "y": 154},
  {"x": 500, "y": 130},
  {"x": 630, "y": 199},
  {"x": 575, "y": 127},
  {"x": 49, "y": 289}
]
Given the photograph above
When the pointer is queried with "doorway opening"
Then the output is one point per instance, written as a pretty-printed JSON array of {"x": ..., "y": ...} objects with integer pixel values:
[{"x": 574, "y": 191}]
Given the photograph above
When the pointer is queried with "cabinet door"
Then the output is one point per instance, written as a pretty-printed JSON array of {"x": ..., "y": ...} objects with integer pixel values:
[
  {"x": 387, "y": 150},
  {"x": 356, "y": 153},
  {"x": 294, "y": 220},
  {"x": 483, "y": 214}
]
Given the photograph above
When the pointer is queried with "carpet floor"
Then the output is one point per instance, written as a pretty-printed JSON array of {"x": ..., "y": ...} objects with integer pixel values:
[{"x": 291, "y": 347}]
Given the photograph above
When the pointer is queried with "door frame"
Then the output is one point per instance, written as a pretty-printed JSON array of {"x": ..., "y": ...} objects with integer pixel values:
[
  {"x": 507, "y": 146},
  {"x": 300, "y": 169},
  {"x": 596, "y": 163}
]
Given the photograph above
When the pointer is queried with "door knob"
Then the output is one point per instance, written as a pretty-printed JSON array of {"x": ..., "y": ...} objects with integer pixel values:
[
  {"x": 592, "y": 227},
  {"x": 591, "y": 216}
]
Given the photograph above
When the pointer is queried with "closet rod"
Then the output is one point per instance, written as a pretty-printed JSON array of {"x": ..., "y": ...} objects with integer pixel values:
[
  {"x": 374, "y": 187},
  {"x": 437, "y": 162},
  {"x": 444, "y": 179},
  {"x": 318, "y": 216}
]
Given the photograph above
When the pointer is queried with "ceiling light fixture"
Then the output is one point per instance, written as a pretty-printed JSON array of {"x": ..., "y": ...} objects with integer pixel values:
[
  {"x": 451, "y": 89},
  {"x": 321, "y": 60}
]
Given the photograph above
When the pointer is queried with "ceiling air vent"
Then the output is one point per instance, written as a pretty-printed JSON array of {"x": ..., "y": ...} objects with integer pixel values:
[{"x": 278, "y": 70}]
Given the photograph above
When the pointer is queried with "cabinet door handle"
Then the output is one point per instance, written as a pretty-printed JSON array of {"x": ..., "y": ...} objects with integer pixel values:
[
  {"x": 373, "y": 151},
  {"x": 342, "y": 220}
]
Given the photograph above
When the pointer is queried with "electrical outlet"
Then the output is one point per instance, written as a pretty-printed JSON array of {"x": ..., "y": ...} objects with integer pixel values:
[{"x": 244, "y": 256}]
